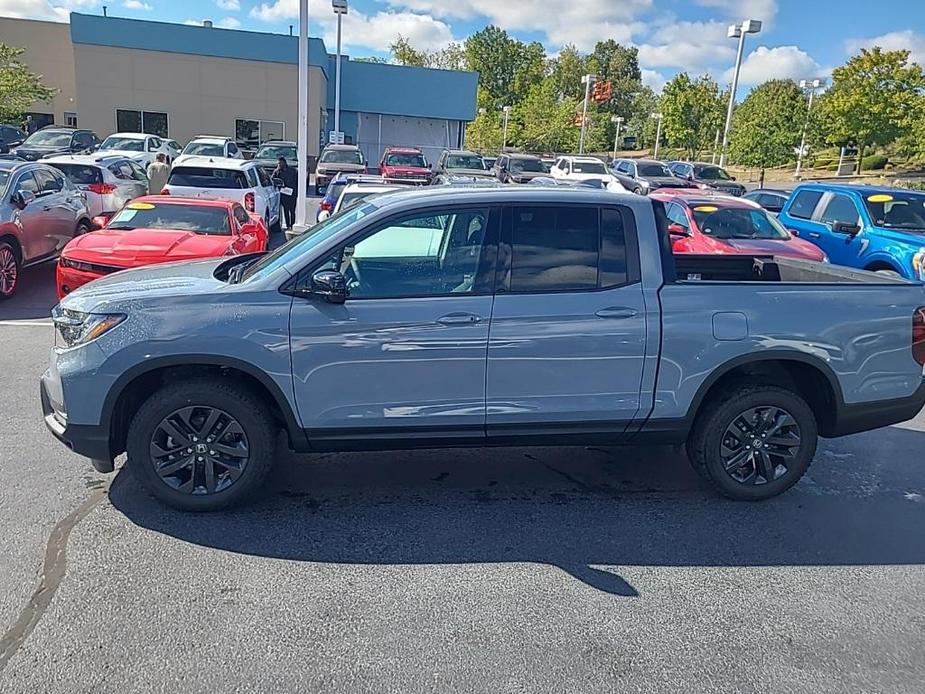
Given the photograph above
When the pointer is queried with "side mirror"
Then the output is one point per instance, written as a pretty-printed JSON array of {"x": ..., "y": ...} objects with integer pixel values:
[
  {"x": 330, "y": 285},
  {"x": 846, "y": 228},
  {"x": 99, "y": 222},
  {"x": 678, "y": 230},
  {"x": 21, "y": 198}
]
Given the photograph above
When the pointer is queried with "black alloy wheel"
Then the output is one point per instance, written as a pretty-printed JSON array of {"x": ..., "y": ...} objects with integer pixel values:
[{"x": 760, "y": 445}]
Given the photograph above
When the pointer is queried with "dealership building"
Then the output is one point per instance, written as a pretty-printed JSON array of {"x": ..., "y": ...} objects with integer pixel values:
[{"x": 178, "y": 81}]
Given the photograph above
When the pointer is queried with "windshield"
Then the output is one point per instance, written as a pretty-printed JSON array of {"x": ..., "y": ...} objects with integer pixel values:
[
  {"x": 738, "y": 223},
  {"x": 277, "y": 151},
  {"x": 415, "y": 160},
  {"x": 713, "y": 173},
  {"x": 527, "y": 165},
  {"x": 205, "y": 177},
  {"x": 588, "y": 167},
  {"x": 205, "y": 149},
  {"x": 653, "y": 170},
  {"x": 123, "y": 143},
  {"x": 465, "y": 162},
  {"x": 49, "y": 139},
  {"x": 303, "y": 244},
  {"x": 896, "y": 210},
  {"x": 341, "y": 156},
  {"x": 207, "y": 219}
]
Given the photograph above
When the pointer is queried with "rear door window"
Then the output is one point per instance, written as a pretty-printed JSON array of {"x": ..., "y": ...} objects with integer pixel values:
[
  {"x": 48, "y": 183},
  {"x": 554, "y": 249},
  {"x": 26, "y": 182},
  {"x": 804, "y": 203}
]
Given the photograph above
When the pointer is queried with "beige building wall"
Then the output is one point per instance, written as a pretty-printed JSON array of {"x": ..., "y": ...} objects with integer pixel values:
[
  {"x": 48, "y": 53},
  {"x": 200, "y": 94}
]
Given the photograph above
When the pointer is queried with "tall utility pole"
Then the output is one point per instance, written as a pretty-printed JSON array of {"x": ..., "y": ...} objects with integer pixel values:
[
  {"x": 658, "y": 132},
  {"x": 586, "y": 80},
  {"x": 301, "y": 218},
  {"x": 715, "y": 147},
  {"x": 507, "y": 113},
  {"x": 811, "y": 86},
  {"x": 735, "y": 31},
  {"x": 616, "y": 138},
  {"x": 340, "y": 9}
]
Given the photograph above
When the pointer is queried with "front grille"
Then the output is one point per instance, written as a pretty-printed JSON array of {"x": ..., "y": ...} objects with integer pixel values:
[{"x": 91, "y": 267}]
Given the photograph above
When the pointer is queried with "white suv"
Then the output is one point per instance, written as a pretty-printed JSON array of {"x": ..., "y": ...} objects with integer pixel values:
[
  {"x": 354, "y": 192},
  {"x": 578, "y": 168},
  {"x": 139, "y": 147},
  {"x": 211, "y": 146},
  {"x": 216, "y": 178}
]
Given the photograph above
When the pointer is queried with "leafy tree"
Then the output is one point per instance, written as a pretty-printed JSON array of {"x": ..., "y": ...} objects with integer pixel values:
[
  {"x": 871, "y": 100},
  {"x": 507, "y": 67},
  {"x": 567, "y": 70},
  {"x": 404, "y": 53},
  {"x": 484, "y": 133},
  {"x": 370, "y": 59},
  {"x": 453, "y": 57},
  {"x": 693, "y": 111},
  {"x": 768, "y": 124},
  {"x": 639, "y": 123},
  {"x": 546, "y": 123},
  {"x": 19, "y": 88}
]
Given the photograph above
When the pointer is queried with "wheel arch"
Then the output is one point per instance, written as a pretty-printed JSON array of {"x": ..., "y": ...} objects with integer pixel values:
[{"x": 8, "y": 236}]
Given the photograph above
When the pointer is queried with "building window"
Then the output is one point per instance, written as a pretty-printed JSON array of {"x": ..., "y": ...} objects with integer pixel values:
[
  {"x": 150, "y": 122},
  {"x": 70, "y": 119},
  {"x": 251, "y": 133}
]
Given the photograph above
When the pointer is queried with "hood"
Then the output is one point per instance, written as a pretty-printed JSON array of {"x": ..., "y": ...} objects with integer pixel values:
[
  {"x": 33, "y": 152},
  {"x": 725, "y": 185},
  {"x": 469, "y": 173},
  {"x": 271, "y": 164},
  {"x": 144, "y": 246},
  {"x": 405, "y": 170},
  {"x": 340, "y": 167},
  {"x": 793, "y": 247},
  {"x": 666, "y": 182}
]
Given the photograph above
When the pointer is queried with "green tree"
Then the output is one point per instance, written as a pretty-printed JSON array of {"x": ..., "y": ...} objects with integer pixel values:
[
  {"x": 370, "y": 59},
  {"x": 767, "y": 125},
  {"x": 484, "y": 133},
  {"x": 404, "y": 53},
  {"x": 507, "y": 67},
  {"x": 693, "y": 111},
  {"x": 639, "y": 123},
  {"x": 871, "y": 100},
  {"x": 545, "y": 122},
  {"x": 567, "y": 69},
  {"x": 19, "y": 87}
]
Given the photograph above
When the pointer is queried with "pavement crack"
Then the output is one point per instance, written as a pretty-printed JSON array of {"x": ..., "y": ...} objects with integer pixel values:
[{"x": 53, "y": 573}]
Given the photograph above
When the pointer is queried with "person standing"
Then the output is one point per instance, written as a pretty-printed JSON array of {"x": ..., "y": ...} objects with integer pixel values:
[
  {"x": 287, "y": 193},
  {"x": 158, "y": 172}
]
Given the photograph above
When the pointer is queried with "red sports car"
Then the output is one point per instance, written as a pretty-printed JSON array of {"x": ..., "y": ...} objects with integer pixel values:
[
  {"x": 160, "y": 229},
  {"x": 723, "y": 224}
]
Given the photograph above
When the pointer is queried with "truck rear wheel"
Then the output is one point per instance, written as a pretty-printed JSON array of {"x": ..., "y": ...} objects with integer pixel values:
[
  {"x": 753, "y": 441},
  {"x": 202, "y": 445}
]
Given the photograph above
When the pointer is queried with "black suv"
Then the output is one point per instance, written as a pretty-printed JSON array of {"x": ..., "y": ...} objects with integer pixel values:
[
  {"x": 518, "y": 168},
  {"x": 641, "y": 176},
  {"x": 706, "y": 176},
  {"x": 10, "y": 136},
  {"x": 460, "y": 165},
  {"x": 54, "y": 140}
]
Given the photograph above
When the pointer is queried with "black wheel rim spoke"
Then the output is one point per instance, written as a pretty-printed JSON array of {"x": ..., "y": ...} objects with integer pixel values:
[
  {"x": 8, "y": 271},
  {"x": 199, "y": 450},
  {"x": 760, "y": 445}
]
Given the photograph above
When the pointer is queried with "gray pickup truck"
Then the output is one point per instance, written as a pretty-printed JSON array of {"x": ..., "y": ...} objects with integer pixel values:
[{"x": 510, "y": 316}]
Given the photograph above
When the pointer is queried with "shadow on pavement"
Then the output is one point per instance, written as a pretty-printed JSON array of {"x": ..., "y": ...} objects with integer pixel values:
[
  {"x": 585, "y": 510},
  {"x": 35, "y": 296}
]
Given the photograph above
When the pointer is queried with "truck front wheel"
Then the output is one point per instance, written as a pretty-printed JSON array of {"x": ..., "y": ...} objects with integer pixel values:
[
  {"x": 753, "y": 441},
  {"x": 201, "y": 445}
]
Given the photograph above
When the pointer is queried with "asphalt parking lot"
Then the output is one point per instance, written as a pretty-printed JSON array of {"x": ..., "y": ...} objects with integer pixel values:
[{"x": 534, "y": 569}]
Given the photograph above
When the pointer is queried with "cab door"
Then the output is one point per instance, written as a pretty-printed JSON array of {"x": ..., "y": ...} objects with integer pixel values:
[
  {"x": 841, "y": 247},
  {"x": 30, "y": 218}
]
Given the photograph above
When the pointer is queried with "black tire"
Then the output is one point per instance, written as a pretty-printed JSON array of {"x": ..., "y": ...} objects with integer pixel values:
[
  {"x": 10, "y": 270},
  {"x": 713, "y": 434},
  {"x": 236, "y": 404},
  {"x": 637, "y": 191}
]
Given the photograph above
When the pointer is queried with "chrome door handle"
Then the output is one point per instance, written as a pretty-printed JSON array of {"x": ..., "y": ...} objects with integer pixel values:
[
  {"x": 459, "y": 319},
  {"x": 616, "y": 312},
  {"x": 814, "y": 235}
]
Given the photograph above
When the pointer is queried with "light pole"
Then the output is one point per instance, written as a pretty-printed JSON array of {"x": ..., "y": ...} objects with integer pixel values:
[
  {"x": 507, "y": 113},
  {"x": 736, "y": 31},
  {"x": 616, "y": 138},
  {"x": 715, "y": 147},
  {"x": 658, "y": 132},
  {"x": 586, "y": 80},
  {"x": 301, "y": 218},
  {"x": 340, "y": 9},
  {"x": 482, "y": 112},
  {"x": 811, "y": 86}
]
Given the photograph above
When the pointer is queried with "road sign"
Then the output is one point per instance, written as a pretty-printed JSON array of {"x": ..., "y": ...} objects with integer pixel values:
[{"x": 336, "y": 137}]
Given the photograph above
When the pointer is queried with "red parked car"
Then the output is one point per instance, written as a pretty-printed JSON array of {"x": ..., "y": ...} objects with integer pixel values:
[
  {"x": 160, "y": 229},
  {"x": 707, "y": 224},
  {"x": 405, "y": 165}
]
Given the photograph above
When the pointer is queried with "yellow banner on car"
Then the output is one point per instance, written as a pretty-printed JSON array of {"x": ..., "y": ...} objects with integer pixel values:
[
  {"x": 139, "y": 206},
  {"x": 706, "y": 208},
  {"x": 880, "y": 197}
]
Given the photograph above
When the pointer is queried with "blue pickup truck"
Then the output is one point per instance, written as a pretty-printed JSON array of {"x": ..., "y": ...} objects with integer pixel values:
[
  {"x": 471, "y": 317},
  {"x": 866, "y": 227}
]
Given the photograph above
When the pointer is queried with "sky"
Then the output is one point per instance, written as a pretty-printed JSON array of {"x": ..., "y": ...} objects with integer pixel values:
[{"x": 800, "y": 38}]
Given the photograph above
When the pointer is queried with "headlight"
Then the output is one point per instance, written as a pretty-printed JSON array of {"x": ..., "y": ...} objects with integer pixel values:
[
  {"x": 75, "y": 328},
  {"x": 918, "y": 264},
  {"x": 75, "y": 264}
]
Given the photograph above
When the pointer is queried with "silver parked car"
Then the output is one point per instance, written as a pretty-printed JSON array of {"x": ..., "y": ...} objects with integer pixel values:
[
  {"x": 107, "y": 181},
  {"x": 40, "y": 211}
]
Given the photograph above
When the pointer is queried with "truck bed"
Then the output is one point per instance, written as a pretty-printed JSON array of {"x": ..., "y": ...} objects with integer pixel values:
[{"x": 764, "y": 268}]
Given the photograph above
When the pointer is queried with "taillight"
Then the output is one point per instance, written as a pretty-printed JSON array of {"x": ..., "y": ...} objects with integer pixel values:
[
  {"x": 249, "y": 202},
  {"x": 101, "y": 188},
  {"x": 918, "y": 335},
  {"x": 326, "y": 205}
]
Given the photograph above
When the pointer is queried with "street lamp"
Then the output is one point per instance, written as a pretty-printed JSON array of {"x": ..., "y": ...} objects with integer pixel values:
[
  {"x": 658, "y": 132},
  {"x": 616, "y": 138},
  {"x": 301, "y": 216},
  {"x": 482, "y": 112},
  {"x": 811, "y": 86},
  {"x": 736, "y": 31},
  {"x": 340, "y": 9},
  {"x": 586, "y": 80},
  {"x": 507, "y": 113}
]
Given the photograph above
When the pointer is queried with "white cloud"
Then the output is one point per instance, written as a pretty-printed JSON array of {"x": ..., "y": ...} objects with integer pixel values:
[
  {"x": 653, "y": 79},
  {"x": 736, "y": 10},
  {"x": 581, "y": 22},
  {"x": 137, "y": 5},
  {"x": 893, "y": 41},
  {"x": 695, "y": 58},
  {"x": 230, "y": 5},
  {"x": 781, "y": 62},
  {"x": 53, "y": 10}
]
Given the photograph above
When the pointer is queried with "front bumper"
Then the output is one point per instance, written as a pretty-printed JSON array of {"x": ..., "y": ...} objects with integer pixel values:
[{"x": 90, "y": 441}]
